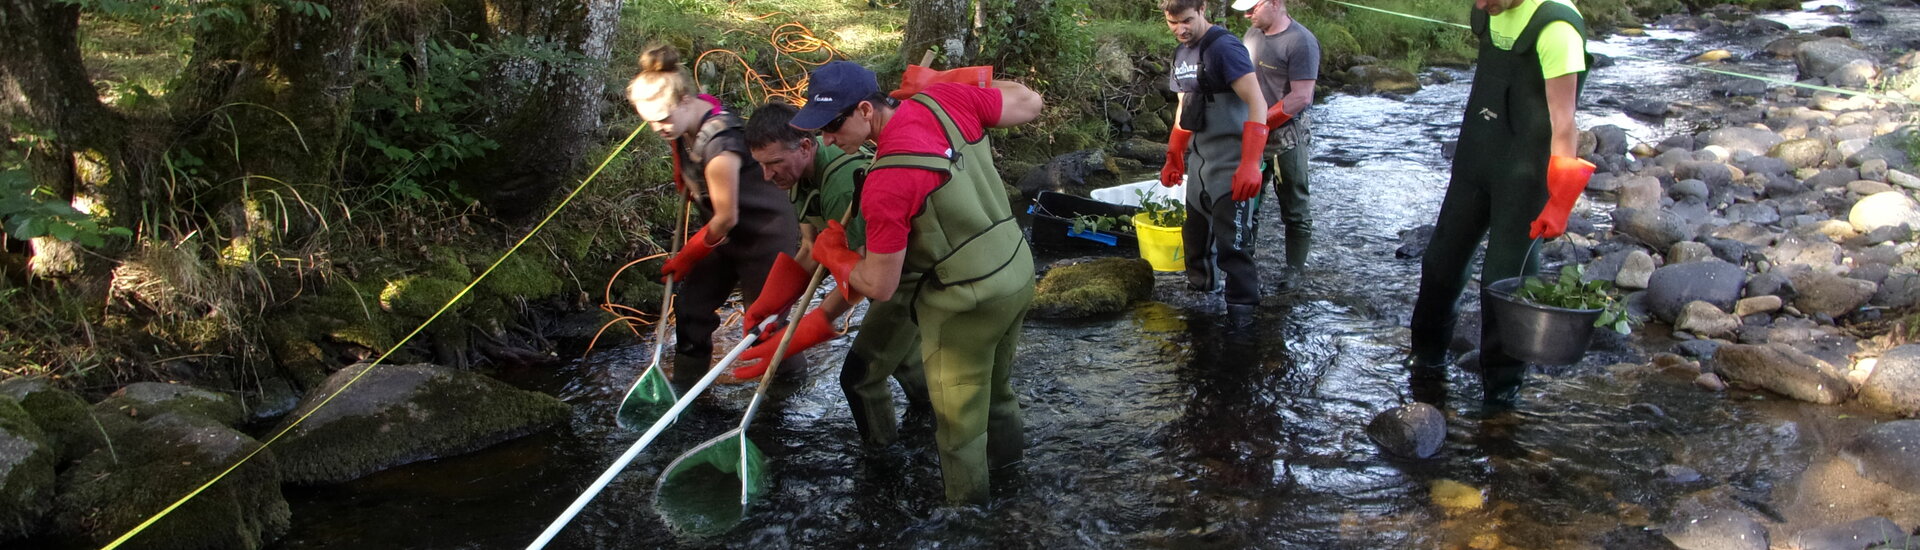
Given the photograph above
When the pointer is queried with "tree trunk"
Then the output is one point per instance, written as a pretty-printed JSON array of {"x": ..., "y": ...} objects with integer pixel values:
[
  {"x": 556, "y": 102},
  {"x": 945, "y": 24}
]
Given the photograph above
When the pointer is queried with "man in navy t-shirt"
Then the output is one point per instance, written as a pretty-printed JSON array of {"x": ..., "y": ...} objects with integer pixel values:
[{"x": 1223, "y": 113}]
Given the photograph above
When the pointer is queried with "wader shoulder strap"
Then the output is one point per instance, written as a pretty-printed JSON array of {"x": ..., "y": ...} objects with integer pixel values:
[
  {"x": 710, "y": 129},
  {"x": 1548, "y": 13},
  {"x": 929, "y": 161}
]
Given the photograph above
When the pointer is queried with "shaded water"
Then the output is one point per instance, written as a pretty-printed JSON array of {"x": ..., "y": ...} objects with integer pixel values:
[{"x": 1161, "y": 427}]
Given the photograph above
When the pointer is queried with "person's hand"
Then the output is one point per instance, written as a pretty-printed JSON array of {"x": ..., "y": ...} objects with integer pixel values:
[
  {"x": 1566, "y": 178},
  {"x": 786, "y": 280},
  {"x": 681, "y": 264},
  {"x": 918, "y": 78},
  {"x": 830, "y": 250},
  {"x": 813, "y": 329},
  {"x": 1253, "y": 147},
  {"x": 1277, "y": 116},
  {"x": 1176, "y": 167}
]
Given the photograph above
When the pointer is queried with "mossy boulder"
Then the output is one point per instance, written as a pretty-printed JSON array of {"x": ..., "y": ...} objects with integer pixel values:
[
  {"x": 145, "y": 400},
  {"x": 1105, "y": 285},
  {"x": 419, "y": 296},
  {"x": 523, "y": 275},
  {"x": 65, "y": 418},
  {"x": 26, "y": 472},
  {"x": 151, "y": 465},
  {"x": 400, "y": 414}
]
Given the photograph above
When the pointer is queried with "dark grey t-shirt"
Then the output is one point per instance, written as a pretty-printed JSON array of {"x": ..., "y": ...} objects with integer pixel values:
[{"x": 1280, "y": 59}]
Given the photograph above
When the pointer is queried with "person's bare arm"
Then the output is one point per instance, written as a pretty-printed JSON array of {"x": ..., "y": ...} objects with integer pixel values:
[
  {"x": 1248, "y": 88},
  {"x": 1179, "y": 109},
  {"x": 805, "y": 256},
  {"x": 723, "y": 189},
  {"x": 877, "y": 276},
  {"x": 1561, "y": 92},
  {"x": 1018, "y": 104},
  {"x": 1299, "y": 98}
]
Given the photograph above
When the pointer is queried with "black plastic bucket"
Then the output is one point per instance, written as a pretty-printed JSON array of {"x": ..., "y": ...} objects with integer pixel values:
[{"x": 1534, "y": 333}]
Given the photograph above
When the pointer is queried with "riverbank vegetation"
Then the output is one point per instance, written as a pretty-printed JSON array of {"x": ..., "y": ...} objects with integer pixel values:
[{"x": 232, "y": 192}]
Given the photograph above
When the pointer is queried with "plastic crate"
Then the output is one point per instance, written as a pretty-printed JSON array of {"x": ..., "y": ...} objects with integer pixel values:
[{"x": 1053, "y": 215}]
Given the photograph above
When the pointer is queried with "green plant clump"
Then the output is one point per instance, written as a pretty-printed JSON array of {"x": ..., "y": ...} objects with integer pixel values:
[
  {"x": 1569, "y": 292},
  {"x": 1162, "y": 211},
  {"x": 1086, "y": 223}
]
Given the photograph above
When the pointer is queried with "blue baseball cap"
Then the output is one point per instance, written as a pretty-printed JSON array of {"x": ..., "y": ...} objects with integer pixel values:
[{"x": 832, "y": 89}]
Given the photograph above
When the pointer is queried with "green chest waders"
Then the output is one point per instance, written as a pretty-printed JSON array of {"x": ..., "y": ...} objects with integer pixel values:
[
  {"x": 1498, "y": 187},
  {"x": 972, "y": 276}
]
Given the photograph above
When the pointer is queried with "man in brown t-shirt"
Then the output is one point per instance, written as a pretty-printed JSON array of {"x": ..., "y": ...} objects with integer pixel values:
[{"x": 1286, "y": 61}]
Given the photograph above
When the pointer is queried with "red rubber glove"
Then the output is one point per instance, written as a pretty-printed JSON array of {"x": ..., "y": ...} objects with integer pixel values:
[
  {"x": 1277, "y": 116},
  {"x": 1176, "y": 166},
  {"x": 830, "y": 249},
  {"x": 1566, "y": 178},
  {"x": 917, "y": 78},
  {"x": 681, "y": 264},
  {"x": 786, "y": 280},
  {"x": 1253, "y": 146},
  {"x": 813, "y": 329}
]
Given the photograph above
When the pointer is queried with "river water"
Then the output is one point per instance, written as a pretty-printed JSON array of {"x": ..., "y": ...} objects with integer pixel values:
[{"x": 1160, "y": 427}]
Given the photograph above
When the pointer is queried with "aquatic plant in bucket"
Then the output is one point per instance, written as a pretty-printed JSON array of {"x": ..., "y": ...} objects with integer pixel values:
[
  {"x": 1550, "y": 321},
  {"x": 1158, "y": 228}
]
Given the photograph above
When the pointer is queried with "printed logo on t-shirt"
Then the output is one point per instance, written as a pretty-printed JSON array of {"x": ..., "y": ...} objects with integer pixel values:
[{"x": 1186, "y": 70}]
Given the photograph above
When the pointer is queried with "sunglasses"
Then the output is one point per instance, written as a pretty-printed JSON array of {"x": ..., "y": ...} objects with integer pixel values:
[{"x": 835, "y": 124}]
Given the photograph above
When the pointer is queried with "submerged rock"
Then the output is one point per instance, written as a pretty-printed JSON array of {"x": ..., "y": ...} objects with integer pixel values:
[
  {"x": 1105, "y": 285},
  {"x": 1886, "y": 453},
  {"x": 399, "y": 414},
  {"x": 1717, "y": 529},
  {"x": 1784, "y": 370},
  {"x": 1855, "y": 535},
  {"x": 1412, "y": 431}
]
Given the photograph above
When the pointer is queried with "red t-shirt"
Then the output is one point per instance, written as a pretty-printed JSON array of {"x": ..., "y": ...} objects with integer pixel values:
[{"x": 891, "y": 196}]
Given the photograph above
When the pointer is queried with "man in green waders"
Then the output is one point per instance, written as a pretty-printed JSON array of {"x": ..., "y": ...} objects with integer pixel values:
[
  {"x": 1515, "y": 178},
  {"x": 1223, "y": 114},
  {"x": 1286, "y": 60},
  {"x": 941, "y": 233},
  {"x": 820, "y": 180}
]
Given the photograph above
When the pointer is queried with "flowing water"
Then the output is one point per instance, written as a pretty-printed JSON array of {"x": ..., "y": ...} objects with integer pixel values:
[{"x": 1160, "y": 427}]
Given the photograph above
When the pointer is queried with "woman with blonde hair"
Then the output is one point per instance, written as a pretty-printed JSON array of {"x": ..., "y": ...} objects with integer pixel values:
[{"x": 748, "y": 220}]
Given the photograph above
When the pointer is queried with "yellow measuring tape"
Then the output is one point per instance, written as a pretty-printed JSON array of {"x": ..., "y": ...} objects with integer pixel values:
[
  {"x": 1887, "y": 97},
  {"x": 383, "y": 357}
]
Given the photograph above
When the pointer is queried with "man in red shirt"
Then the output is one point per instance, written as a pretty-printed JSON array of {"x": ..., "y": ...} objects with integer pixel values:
[{"x": 941, "y": 232}]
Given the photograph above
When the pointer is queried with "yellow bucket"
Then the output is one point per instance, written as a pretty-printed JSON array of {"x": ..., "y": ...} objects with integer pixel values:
[{"x": 1160, "y": 246}]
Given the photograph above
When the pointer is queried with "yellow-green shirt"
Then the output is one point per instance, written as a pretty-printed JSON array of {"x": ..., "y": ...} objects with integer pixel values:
[{"x": 1561, "y": 49}]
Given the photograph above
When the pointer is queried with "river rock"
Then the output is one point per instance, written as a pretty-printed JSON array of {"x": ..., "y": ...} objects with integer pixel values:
[
  {"x": 1412, "y": 431},
  {"x": 1823, "y": 293},
  {"x": 1729, "y": 250},
  {"x": 1854, "y": 535},
  {"x": 399, "y": 414},
  {"x": 1832, "y": 177},
  {"x": 65, "y": 418},
  {"x": 1382, "y": 78},
  {"x": 1075, "y": 173},
  {"x": 1689, "y": 251},
  {"x": 1715, "y": 529},
  {"x": 1757, "y": 304},
  {"x": 1097, "y": 287},
  {"x": 154, "y": 462},
  {"x": 1671, "y": 287},
  {"x": 1640, "y": 193},
  {"x": 1657, "y": 228},
  {"x": 1636, "y": 269},
  {"x": 1888, "y": 452},
  {"x": 1413, "y": 242},
  {"x": 1714, "y": 174},
  {"x": 1855, "y": 74},
  {"x": 1783, "y": 370},
  {"x": 1867, "y": 187},
  {"x": 1885, "y": 209},
  {"x": 1819, "y": 58},
  {"x": 1903, "y": 179},
  {"x": 1753, "y": 141},
  {"x": 1900, "y": 290},
  {"x": 1894, "y": 386},
  {"x": 1799, "y": 153},
  {"x": 1689, "y": 189},
  {"x": 144, "y": 400},
  {"x": 27, "y": 463},
  {"x": 1145, "y": 150},
  {"x": 1704, "y": 320},
  {"x": 1810, "y": 250}
]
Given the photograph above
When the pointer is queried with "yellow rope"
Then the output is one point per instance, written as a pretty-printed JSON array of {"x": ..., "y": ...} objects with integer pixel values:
[{"x": 383, "y": 357}]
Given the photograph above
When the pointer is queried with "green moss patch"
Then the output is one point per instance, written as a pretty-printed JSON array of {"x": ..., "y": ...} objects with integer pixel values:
[
  {"x": 150, "y": 466},
  {"x": 145, "y": 400},
  {"x": 399, "y": 414},
  {"x": 65, "y": 418},
  {"x": 419, "y": 296},
  {"x": 1106, "y": 285},
  {"x": 523, "y": 275}
]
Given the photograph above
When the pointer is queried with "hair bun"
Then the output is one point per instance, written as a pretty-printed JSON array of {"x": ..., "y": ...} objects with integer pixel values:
[{"x": 660, "y": 58}]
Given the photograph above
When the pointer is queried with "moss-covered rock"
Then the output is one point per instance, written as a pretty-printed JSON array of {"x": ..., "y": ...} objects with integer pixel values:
[
  {"x": 26, "y": 472},
  {"x": 294, "y": 350},
  {"x": 523, "y": 275},
  {"x": 420, "y": 296},
  {"x": 399, "y": 414},
  {"x": 65, "y": 418},
  {"x": 146, "y": 400},
  {"x": 153, "y": 464},
  {"x": 1106, "y": 285}
]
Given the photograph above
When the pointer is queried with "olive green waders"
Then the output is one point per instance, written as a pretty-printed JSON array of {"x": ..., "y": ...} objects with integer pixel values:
[
  {"x": 1498, "y": 188},
  {"x": 888, "y": 345}
]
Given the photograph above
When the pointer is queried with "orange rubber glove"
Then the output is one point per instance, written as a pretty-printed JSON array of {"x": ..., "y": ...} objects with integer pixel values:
[
  {"x": 1566, "y": 178},
  {"x": 813, "y": 329},
  {"x": 918, "y": 78},
  {"x": 679, "y": 180},
  {"x": 1253, "y": 146},
  {"x": 830, "y": 249},
  {"x": 786, "y": 280},
  {"x": 1176, "y": 167},
  {"x": 681, "y": 264},
  {"x": 1277, "y": 116}
]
